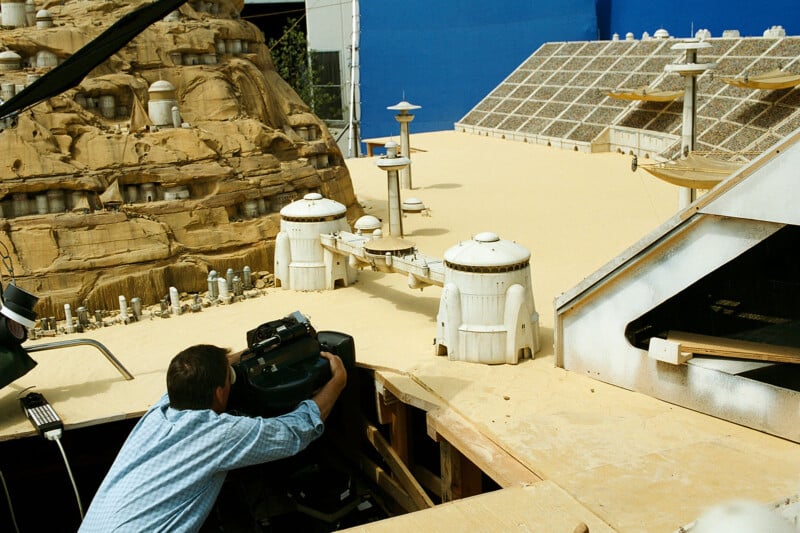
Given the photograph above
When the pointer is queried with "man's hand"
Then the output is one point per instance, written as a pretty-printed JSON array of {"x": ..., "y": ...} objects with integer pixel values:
[
  {"x": 338, "y": 372},
  {"x": 327, "y": 395}
]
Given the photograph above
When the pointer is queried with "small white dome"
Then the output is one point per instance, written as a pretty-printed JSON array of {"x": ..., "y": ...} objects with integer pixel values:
[
  {"x": 313, "y": 207},
  {"x": 661, "y": 33},
  {"x": 43, "y": 14},
  {"x": 9, "y": 56},
  {"x": 368, "y": 223},
  {"x": 414, "y": 205},
  {"x": 161, "y": 86},
  {"x": 487, "y": 250}
]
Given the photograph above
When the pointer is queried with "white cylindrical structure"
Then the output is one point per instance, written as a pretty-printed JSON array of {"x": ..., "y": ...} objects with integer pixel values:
[
  {"x": 404, "y": 117},
  {"x": 136, "y": 305},
  {"x": 41, "y": 203},
  {"x": 301, "y": 263},
  {"x": 30, "y": 12},
  {"x": 178, "y": 192},
  {"x": 149, "y": 192},
  {"x": 56, "y": 201},
  {"x": 162, "y": 99},
  {"x": 690, "y": 70},
  {"x": 44, "y": 19},
  {"x": 247, "y": 278},
  {"x": 108, "y": 106},
  {"x": 213, "y": 287},
  {"x": 123, "y": 309},
  {"x": 174, "y": 301},
  {"x": 9, "y": 60},
  {"x": 46, "y": 58},
  {"x": 7, "y": 91},
  {"x": 14, "y": 14},
  {"x": 486, "y": 312},
  {"x": 68, "y": 315},
  {"x": 392, "y": 165},
  {"x": 222, "y": 285},
  {"x": 176, "y": 117}
]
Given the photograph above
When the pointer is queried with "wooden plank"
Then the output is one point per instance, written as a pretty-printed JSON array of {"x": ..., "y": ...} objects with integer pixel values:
[
  {"x": 460, "y": 477},
  {"x": 495, "y": 462},
  {"x": 722, "y": 347},
  {"x": 398, "y": 468},
  {"x": 395, "y": 413},
  {"x": 407, "y": 389},
  {"x": 543, "y": 507},
  {"x": 381, "y": 478},
  {"x": 428, "y": 479}
]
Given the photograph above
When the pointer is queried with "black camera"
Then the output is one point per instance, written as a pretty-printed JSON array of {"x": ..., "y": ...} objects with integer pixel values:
[{"x": 282, "y": 365}]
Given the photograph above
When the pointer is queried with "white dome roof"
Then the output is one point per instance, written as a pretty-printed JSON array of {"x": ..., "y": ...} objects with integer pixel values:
[
  {"x": 368, "y": 223},
  {"x": 161, "y": 86},
  {"x": 9, "y": 56},
  {"x": 487, "y": 250},
  {"x": 313, "y": 207}
]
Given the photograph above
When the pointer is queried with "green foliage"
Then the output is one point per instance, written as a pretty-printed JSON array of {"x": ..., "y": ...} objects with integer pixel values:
[{"x": 291, "y": 60}]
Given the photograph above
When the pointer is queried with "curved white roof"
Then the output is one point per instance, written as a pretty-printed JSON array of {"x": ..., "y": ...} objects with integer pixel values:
[
  {"x": 313, "y": 206},
  {"x": 487, "y": 250}
]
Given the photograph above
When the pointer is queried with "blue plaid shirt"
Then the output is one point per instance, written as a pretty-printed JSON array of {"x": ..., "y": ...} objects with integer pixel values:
[{"x": 171, "y": 468}]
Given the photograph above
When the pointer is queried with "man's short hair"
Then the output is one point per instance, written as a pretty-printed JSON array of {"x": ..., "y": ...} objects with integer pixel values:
[{"x": 194, "y": 374}]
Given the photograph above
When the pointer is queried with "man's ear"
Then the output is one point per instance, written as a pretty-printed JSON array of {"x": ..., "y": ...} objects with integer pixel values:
[{"x": 218, "y": 403}]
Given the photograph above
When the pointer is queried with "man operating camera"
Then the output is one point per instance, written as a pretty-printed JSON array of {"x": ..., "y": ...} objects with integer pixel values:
[{"x": 171, "y": 468}]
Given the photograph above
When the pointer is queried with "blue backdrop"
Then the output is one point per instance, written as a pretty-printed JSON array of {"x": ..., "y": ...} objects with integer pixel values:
[{"x": 446, "y": 55}]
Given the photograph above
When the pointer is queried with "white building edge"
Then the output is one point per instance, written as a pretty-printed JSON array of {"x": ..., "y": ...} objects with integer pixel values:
[{"x": 592, "y": 318}]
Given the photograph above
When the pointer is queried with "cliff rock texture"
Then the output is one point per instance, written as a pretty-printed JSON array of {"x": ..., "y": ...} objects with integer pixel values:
[{"x": 109, "y": 190}]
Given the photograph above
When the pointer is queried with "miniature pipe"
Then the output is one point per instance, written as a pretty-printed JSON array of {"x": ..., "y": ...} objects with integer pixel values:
[{"x": 87, "y": 342}]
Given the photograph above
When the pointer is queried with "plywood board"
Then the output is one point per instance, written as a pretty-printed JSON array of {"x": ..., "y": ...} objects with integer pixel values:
[{"x": 541, "y": 507}]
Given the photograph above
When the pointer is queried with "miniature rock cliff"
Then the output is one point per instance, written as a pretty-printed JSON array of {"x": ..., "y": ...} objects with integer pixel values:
[{"x": 169, "y": 160}]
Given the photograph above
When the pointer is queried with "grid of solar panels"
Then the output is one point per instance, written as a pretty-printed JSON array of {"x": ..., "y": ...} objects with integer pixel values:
[{"x": 560, "y": 92}]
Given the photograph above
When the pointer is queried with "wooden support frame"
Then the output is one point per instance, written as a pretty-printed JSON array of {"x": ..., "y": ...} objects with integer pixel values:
[
  {"x": 395, "y": 413},
  {"x": 488, "y": 457},
  {"x": 460, "y": 477},
  {"x": 401, "y": 472}
]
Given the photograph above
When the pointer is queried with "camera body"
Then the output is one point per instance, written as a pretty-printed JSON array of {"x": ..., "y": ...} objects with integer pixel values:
[{"x": 282, "y": 365}]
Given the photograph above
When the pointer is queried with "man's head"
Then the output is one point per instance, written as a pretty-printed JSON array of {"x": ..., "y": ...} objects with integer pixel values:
[{"x": 199, "y": 377}]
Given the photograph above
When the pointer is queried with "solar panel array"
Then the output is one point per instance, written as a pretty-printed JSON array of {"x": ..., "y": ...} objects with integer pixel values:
[{"x": 559, "y": 93}]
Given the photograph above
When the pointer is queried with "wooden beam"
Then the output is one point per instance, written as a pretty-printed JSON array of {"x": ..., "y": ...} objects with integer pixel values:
[
  {"x": 395, "y": 413},
  {"x": 399, "y": 469},
  {"x": 381, "y": 478},
  {"x": 428, "y": 479},
  {"x": 722, "y": 347},
  {"x": 460, "y": 477},
  {"x": 495, "y": 462}
]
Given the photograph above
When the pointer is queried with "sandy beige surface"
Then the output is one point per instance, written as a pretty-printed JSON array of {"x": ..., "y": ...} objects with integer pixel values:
[{"x": 633, "y": 461}]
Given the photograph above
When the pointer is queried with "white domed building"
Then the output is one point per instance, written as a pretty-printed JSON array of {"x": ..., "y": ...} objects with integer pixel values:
[
  {"x": 301, "y": 262},
  {"x": 486, "y": 312}
]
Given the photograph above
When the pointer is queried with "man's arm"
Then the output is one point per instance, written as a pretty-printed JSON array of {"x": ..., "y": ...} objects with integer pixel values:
[{"x": 326, "y": 397}]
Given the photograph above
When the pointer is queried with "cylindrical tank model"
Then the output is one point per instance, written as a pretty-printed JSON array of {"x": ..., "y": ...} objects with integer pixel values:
[
  {"x": 108, "y": 106},
  {"x": 162, "y": 100},
  {"x": 44, "y": 19},
  {"x": 14, "y": 13},
  {"x": 301, "y": 263},
  {"x": 486, "y": 312},
  {"x": 9, "y": 60}
]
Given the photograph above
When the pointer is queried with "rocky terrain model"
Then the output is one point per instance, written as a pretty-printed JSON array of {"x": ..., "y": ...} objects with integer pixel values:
[{"x": 172, "y": 158}]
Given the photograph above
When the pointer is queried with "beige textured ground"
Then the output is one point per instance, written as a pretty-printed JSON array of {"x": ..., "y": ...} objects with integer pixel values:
[{"x": 634, "y": 462}]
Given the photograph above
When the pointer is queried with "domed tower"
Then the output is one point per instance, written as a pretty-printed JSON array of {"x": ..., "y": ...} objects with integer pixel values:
[
  {"x": 301, "y": 263},
  {"x": 486, "y": 312},
  {"x": 162, "y": 99}
]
